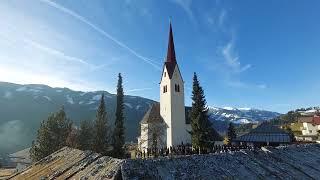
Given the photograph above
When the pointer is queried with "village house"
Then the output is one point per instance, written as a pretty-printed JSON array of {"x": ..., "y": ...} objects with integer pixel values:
[{"x": 310, "y": 128}]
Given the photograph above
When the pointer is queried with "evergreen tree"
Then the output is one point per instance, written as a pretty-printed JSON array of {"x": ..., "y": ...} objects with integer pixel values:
[
  {"x": 52, "y": 135},
  {"x": 101, "y": 137},
  {"x": 118, "y": 133},
  {"x": 63, "y": 128},
  {"x": 231, "y": 135},
  {"x": 203, "y": 134},
  {"x": 85, "y": 137}
]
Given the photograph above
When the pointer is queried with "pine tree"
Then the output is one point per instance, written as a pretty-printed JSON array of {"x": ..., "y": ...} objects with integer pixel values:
[
  {"x": 231, "y": 135},
  {"x": 203, "y": 134},
  {"x": 85, "y": 137},
  {"x": 64, "y": 128},
  {"x": 118, "y": 133},
  {"x": 52, "y": 135},
  {"x": 101, "y": 137}
]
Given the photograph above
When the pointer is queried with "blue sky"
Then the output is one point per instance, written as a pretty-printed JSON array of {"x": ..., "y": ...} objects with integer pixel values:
[{"x": 262, "y": 54}]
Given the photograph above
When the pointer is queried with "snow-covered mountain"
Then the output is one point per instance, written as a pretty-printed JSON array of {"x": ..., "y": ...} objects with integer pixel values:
[
  {"x": 23, "y": 107},
  {"x": 241, "y": 115}
]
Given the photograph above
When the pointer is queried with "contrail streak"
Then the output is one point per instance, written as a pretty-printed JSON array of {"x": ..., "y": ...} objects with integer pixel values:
[
  {"x": 107, "y": 35},
  {"x": 61, "y": 54}
]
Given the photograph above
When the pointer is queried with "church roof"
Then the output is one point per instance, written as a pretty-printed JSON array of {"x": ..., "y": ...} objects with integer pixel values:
[
  {"x": 266, "y": 132},
  {"x": 152, "y": 115},
  {"x": 171, "y": 61},
  {"x": 171, "y": 54}
]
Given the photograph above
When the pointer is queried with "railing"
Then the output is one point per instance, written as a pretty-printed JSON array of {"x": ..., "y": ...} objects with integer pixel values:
[{"x": 182, "y": 150}]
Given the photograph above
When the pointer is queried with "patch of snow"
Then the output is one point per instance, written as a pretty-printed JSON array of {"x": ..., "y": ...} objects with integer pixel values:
[
  {"x": 138, "y": 107},
  {"x": 128, "y": 105},
  {"x": 59, "y": 90},
  {"x": 244, "y": 109},
  {"x": 49, "y": 99},
  {"x": 81, "y": 102},
  {"x": 91, "y": 102},
  {"x": 235, "y": 116},
  {"x": 34, "y": 90},
  {"x": 242, "y": 121},
  {"x": 228, "y": 108},
  {"x": 21, "y": 89},
  {"x": 82, "y": 94},
  {"x": 69, "y": 99},
  {"x": 96, "y": 97},
  {"x": 94, "y": 108},
  {"x": 213, "y": 108},
  {"x": 311, "y": 111},
  {"x": 265, "y": 149},
  {"x": 28, "y": 90},
  {"x": 108, "y": 96},
  {"x": 7, "y": 95}
]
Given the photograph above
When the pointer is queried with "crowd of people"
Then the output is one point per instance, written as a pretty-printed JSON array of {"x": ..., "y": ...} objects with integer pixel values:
[{"x": 187, "y": 150}]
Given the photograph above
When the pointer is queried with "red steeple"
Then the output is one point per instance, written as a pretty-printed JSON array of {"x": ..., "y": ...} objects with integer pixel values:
[{"x": 171, "y": 54}]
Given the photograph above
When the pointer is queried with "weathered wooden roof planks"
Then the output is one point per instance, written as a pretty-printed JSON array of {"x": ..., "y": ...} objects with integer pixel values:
[{"x": 290, "y": 162}]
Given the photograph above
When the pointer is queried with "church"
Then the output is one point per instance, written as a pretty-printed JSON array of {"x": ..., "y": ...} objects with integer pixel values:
[{"x": 166, "y": 124}]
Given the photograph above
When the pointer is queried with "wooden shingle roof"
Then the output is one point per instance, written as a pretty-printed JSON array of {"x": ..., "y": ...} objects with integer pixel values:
[
  {"x": 290, "y": 162},
  {"x": 68, "y": 163}
]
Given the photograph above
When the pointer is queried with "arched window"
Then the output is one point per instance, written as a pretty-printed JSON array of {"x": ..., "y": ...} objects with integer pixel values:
[
  {"x": 177, "y": 88},
  {"x": 165, "y": 89}
]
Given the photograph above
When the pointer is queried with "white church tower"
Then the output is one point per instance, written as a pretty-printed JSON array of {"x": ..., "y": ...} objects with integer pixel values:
[{"x": 172, "y": 108}]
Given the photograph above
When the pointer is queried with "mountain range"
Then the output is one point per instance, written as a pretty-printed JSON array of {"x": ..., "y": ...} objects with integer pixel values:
[
  {"x": 241, "y": 115},
  {"x": 23, "y": 107}
]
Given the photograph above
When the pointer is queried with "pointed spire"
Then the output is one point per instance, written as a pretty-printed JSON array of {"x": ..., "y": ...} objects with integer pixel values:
[{"x": 171, "y": 54}]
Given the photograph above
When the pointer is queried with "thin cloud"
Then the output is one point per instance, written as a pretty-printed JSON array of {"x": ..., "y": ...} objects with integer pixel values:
[
  {"x": 99, "y": 30},
  {"x": 216, "y": 18},
  {"x": 222, "y": 17},
  {"x": 262, "y": 86},
  {"x": 230, "y": 67},
  {"x": 232, "y": 59},
  {"x": 237, "y": 84},
  {"x": 62, "y": 55},
  {"x": 186, "y": 6},
  {"x": 241, "y": 84}
]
